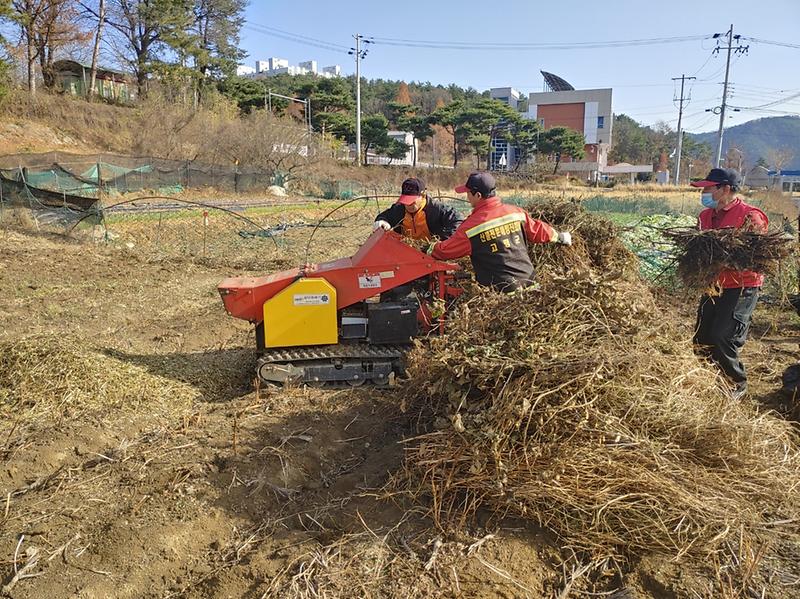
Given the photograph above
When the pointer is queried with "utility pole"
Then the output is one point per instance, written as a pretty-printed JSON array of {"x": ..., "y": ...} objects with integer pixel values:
[
  {"x": 741, "y": 50},
  {"x": 359, "y": 55},
  {"x": 681, "y": 100}
]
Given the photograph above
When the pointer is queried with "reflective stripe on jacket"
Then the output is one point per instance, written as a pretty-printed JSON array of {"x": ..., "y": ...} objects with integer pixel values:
[{"x": 496, "y": 236}]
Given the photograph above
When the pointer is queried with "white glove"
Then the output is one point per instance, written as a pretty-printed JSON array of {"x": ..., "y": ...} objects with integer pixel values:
[
  {"x": 565, "y": 237},
  {"x": 381, "y": 224}
]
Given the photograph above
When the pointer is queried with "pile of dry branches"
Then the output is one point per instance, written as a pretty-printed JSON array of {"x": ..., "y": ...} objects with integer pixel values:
[
  {"x": 701, "y": 255},
  {"x": 596, "y": 242},
  {"x": 578, "y": 406}
]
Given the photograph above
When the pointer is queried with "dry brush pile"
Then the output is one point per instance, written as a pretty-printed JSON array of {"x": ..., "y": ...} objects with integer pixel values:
[
  {"x": 701, "y": 255},
  {"x": 579, "y": 407}
]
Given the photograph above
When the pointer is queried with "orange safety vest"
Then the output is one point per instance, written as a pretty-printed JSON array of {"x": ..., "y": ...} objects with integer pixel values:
[{"x": 415, "y": 225}]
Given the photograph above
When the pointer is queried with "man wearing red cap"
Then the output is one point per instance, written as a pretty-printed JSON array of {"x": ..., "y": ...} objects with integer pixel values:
[
  {"x": 496, "y": 236},
  {"x": 417, "y": 216},
  {"x": 723, "y": 317}
]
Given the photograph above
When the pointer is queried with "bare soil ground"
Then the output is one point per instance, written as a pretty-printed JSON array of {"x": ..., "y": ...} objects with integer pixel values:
[{"x": 247, "y": 492}]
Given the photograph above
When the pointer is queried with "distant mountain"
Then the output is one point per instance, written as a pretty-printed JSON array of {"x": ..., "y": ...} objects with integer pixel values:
[{"x": 756, "y": 138}]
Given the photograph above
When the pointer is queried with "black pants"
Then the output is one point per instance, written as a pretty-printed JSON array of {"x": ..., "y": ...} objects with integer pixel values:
[{"x": 722, "y": 324}]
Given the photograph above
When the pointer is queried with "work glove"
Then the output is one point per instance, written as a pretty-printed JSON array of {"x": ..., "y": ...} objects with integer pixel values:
[
  {"x": 381, "y": 224},
  {"x": 564, "y": 237}
]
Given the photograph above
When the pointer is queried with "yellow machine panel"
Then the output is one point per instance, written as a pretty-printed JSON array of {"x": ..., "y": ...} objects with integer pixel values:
[{"x": 302, "y": 314}]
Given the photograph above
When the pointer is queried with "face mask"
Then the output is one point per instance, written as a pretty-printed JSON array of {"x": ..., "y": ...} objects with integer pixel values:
[{"x": 707, "y": 199}]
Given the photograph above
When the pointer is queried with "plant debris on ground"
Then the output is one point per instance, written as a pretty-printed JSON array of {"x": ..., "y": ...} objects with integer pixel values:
[
  {"x": 58, "y": 376},
  {"x": 576, "y": 406}
]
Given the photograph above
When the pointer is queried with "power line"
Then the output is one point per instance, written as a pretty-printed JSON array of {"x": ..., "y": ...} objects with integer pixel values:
[
  {"x": 483, "y": 46},
  {"x": 773, "y": 103},
  {"x": 702, "y": 123},
  {"x": 767, "y": 110},
  {"x": 710, "y": 56},
  {"x": 771, "y": 43},
  {"x": 294, "y": 37},
  {"x": 767, "y": 89}
]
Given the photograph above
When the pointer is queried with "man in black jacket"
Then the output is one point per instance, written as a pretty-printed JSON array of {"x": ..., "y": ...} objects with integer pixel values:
[{"x": 417, "y": 216}]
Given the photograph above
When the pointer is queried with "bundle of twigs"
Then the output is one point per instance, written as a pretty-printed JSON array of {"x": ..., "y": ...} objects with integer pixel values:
[
  {"x": 702, "y": 255},
  {"x": 577, "y": 405}
]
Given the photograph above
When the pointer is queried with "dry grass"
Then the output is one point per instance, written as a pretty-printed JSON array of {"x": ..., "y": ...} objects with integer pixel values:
[
  {"x": 578, "y": 407},
  {"x": 100, "y": 125},
  {"x": 48, "y": 377}
]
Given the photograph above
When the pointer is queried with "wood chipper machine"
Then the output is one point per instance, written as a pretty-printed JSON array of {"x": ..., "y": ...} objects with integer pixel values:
[{"x": 350, "y": 320}]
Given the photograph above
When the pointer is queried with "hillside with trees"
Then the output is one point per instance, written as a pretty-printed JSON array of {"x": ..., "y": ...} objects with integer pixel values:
[
  {"x": 773, "y": 142},
  {"x": 187, "y": 52}
]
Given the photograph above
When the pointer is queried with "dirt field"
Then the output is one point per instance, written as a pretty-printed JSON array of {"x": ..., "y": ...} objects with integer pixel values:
[{"x": 201, "y": 485}]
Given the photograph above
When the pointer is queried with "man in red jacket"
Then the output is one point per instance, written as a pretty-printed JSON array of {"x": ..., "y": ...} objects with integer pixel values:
[
  {"x": 723, "y": 320},
  {"x": 496, "y": 236}
]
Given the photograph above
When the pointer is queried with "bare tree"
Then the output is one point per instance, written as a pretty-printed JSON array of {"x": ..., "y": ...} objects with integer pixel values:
[
  {"x": 47, "y": 28},
  {"x": 57, "y": 31},
  {"x": 26, "y": 14},
  {"x": 141, "y": 27},
  {"x": 735, "y": 158},
  {"x": 778, "y": 158},
  {"x": 101, "y": 17}
]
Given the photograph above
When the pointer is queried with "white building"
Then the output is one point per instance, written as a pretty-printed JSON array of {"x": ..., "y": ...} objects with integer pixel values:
[
  {"x": 310, "y": 66},
  {"x": 506, "y": 95},
  {"x": 277, "y": 63},
  {"x": 280, "y": 66},
  {"x": 407, "y": 138}
]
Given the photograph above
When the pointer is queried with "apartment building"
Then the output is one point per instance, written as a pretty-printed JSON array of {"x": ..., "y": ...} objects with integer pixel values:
[{"x": 280, "y": 66}]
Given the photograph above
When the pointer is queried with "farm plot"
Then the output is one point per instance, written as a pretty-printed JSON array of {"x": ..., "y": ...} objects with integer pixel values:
[{"x": 140, "y": 460}]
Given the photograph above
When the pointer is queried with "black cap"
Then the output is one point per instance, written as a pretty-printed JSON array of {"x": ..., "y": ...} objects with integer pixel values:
[
  {"x": 720, "y": 176},
  {"x": 411, "y": 190},
  {"x": 480, "y": 182}
]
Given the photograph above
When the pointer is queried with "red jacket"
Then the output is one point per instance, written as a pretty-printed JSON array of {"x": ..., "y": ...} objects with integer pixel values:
[
  {"x": 737, "y": 215},
  {"x": 495, "y": 236}
]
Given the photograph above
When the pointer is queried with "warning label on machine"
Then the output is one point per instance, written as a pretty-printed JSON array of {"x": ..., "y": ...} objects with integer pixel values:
[
  {"x": 311, "y": 299},
  {"x": 369, "y": 281}
]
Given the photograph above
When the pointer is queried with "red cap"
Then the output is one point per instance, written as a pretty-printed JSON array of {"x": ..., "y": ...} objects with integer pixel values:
[
  {"x": 719, "y": 176},
  {"x": 411, "y": 191},
  {"x": 704, "y": 183}
]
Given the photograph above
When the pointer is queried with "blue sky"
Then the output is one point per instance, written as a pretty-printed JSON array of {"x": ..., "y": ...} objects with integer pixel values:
[{"x": 640, "y": 75}]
